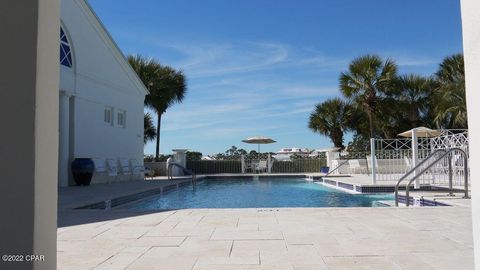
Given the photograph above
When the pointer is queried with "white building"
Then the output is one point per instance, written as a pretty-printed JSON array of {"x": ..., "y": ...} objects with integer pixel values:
[
  {"x": 285, "y": 153},
  {"x": 101, "y": 100}
]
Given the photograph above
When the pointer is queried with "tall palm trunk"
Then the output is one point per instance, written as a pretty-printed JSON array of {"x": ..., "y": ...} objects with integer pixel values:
[
  {"x": 370, "y": 122},
  {"x": 157, "y": 149},
  {"x": 413, "y": 116}
]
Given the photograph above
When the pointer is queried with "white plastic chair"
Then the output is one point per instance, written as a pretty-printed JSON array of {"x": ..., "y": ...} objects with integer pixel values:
[
  {"x": 354, "y": 166},
  {"x": 125, "y": 166},
  {"x": 270, "y": 165},
  {"x": 408, "y": 163},
  {"x": 136, "y": 167},
  {"x": 261, "y": 166},
  {"x": 100, "y": 166},
  {"x": 112, "y": 167}
]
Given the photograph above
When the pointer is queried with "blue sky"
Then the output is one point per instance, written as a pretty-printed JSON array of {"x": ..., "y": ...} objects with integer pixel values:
[{"x": 258, "y": 67}]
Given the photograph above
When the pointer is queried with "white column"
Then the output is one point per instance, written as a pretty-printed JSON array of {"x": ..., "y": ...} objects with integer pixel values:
[
  {"x": 415, "y": 155},
  {"x": 180, "y": 157},
  {"x": 29, "y": 137},
  {"x": 64, "y": 139},
  {"x": 331, "y": 155},
  {"x": 374, "y": 160},
  {"x": 471, "y": 48}
]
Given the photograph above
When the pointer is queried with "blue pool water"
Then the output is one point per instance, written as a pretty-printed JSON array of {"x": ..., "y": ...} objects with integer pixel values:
[{"x": 259, "y": 193}]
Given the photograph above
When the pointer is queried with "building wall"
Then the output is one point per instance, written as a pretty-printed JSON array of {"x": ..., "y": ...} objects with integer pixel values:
[
  {"x": 471, "y": 47},
  {"x": 100, "y": 78}
]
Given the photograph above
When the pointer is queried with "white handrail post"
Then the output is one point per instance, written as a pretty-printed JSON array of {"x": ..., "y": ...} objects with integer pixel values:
[
  {"x": 242, "y": 159},
  {"x": 415, "y": 155},
  {"x": 374, "y": 160}
]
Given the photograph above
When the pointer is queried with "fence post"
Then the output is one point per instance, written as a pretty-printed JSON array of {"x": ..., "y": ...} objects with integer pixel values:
[
  {"x": 415, "y": 155},
  {"x": 450, "y": 175},
  {"x": 269, "y": 162},
  {"x": 242, "y": 159},
  {"x": 374, "y": 160}
]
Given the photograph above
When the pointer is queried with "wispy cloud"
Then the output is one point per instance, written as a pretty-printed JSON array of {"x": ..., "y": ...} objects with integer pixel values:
[
  {"x": 252, "y": 88},
  {"x": 218, "y": 59}
]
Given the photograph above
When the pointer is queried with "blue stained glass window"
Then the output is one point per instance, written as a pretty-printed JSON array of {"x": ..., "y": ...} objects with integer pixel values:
[{"x": 65, "y": 50}]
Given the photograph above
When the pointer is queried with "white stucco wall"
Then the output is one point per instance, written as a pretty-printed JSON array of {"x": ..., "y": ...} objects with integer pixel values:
[
  {"x": 100, "y": 78},
  {"x": 471, "y": 47}
]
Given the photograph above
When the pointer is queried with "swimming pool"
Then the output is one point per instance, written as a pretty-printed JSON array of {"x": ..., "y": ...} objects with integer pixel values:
[{"x": 257, "y": 193}]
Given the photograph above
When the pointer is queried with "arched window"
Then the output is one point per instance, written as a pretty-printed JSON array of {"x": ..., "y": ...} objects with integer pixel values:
[{"x": 65, "y": 50}]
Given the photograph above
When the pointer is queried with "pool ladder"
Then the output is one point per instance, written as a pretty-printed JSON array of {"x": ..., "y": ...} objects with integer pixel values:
[
  {"x": 184, "y": 170},
  {"x": 434, "y": 158}
]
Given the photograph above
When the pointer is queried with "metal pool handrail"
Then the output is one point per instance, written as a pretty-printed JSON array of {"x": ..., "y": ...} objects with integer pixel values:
[
  {"x": 413, "y": 170},
  {"x": 185, "y": 170},
  {"x": 336, "y": 168},
  {"x": 465, "y": 174},
  {"x": 431, "y": 156}
]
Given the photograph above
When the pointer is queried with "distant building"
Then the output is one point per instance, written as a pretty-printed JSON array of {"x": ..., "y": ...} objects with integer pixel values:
[
  {"x": 208, "y": 158},
  {"x": 101, "y": 100},
  {"x": 286, "y": 153}
]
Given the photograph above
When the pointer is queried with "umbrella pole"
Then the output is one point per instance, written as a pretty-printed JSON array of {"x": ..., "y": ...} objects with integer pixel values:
[{"x": 258, "y": 148}]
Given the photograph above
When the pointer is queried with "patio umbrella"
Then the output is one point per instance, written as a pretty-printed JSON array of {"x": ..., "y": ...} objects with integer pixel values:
[
  {"x": 259, "y": 140},
  {"x": 422, "y": 132}
]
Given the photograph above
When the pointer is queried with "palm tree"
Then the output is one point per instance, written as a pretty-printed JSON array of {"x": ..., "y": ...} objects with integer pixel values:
[
  {"x": 415, "y": 93},
  {"x": 451, "y": 109},
  {"x": 166, "y": 85},
  {"x": 331, "y": 118},
  {"x": 407, "y": 104},
  {"x": 149, "y": 131},
  {"x": 368, "y": 78}
]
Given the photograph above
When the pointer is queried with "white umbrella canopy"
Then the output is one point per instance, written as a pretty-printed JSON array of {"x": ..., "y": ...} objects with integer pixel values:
[
  {"x": 259, "y": 140},
  {"x": 422, "y": 132}
]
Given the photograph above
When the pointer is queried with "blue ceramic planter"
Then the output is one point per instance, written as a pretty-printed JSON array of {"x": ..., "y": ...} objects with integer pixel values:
[{"x": 82, "y": 170}]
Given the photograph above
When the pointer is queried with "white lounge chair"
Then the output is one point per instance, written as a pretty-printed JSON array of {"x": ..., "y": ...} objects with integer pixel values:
[
  {"x": 270, "y": 165},
  {"x": 100, "y": 166},
  {"x": 136, "y": 167},
  {"x": 112, "y": 167},
  {"x": 354, "y": 166},
  {"x": 125, "y": 166},
  {"x": 261, "y": 166},
  {"x": 250, "y": 166},
  {"x": 408, "y": 163}
]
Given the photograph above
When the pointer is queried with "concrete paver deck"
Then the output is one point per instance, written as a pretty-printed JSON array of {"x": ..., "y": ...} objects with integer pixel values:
[{"x": 288, "y": 238}]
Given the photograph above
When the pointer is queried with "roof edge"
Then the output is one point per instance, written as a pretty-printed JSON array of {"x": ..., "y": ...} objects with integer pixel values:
[{"x": 115, "y": 48}]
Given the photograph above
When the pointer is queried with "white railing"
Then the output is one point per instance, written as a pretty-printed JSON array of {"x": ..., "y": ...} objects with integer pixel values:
[
  {"x": 265, "y": 163},
  {"x": 457, "y": 138},
  {"x": 392, "y": 158}
]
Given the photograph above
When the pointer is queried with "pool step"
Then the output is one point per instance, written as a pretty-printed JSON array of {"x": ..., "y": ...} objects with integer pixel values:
[{"x": 309, "y": 178}]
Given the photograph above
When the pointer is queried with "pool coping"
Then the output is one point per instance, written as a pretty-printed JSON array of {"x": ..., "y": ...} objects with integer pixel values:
[
  {"x": 359, "y": 189},
  {"x": 125, "y": 199}
]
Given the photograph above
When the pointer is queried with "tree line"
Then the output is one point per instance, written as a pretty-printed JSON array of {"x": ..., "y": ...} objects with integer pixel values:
[{"x": 378, "y": 102}]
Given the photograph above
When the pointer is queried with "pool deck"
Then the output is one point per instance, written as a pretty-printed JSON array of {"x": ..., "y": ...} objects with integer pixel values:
[
  {"x": 285, "y": 238},
  {"x": 77, "y": 196}
]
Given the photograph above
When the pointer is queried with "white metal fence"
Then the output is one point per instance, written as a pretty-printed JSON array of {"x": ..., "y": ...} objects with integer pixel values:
[
  {"x": 393, "y": 158},
  {"x": 266, "y": 163}
]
